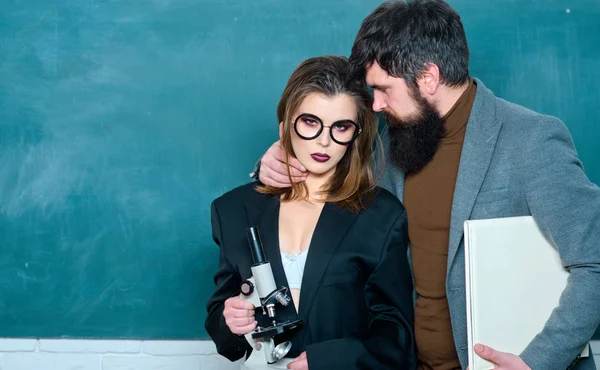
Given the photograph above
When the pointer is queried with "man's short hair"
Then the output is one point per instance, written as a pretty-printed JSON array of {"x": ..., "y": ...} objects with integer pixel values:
[{"x": 403, "y": 37}]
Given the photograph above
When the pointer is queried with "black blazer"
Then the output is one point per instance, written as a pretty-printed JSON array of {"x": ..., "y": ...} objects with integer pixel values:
[{"x": 356, "y": 296}]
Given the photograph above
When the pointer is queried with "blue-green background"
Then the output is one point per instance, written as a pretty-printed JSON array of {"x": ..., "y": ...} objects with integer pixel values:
[{"x": 120, "y": 121}]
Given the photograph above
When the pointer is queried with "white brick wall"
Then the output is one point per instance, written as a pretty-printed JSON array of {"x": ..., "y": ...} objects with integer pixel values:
[{"x": 67, "y": 354}]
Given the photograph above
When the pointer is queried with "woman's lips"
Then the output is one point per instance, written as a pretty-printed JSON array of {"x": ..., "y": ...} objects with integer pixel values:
[{"x": 320, "y": 157}]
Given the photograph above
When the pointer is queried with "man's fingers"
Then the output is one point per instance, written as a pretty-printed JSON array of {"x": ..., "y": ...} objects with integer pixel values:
[
  {"x": 282, "y": 168},
  {"x": 279, "y": 177},
  {"x": 277, "y": 152},
  {"x": 296, "y": 165},
  {"x": 272, "y": 178},
  {"x": 277, "y": 165},
  {"x": 489, "y": 354},
  {"x": 274, "y": 170},
  {"x": 274, "y": 184},
  {"x": 502, "y": 360},
  {"x": 274, "y": 154}
]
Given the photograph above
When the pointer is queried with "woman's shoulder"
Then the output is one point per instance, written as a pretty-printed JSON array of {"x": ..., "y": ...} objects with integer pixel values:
[
  {"x": 238, "y": 196},
  {"x": 382, "y": 205},
  {"x": 384, "y": 199}
]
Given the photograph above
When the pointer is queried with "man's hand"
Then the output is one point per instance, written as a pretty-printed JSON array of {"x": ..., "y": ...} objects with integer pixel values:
[
  {"x": 273, "y": 168},
  {"x": 299, "y": 363},
  {"x": 502, "y": 360}
]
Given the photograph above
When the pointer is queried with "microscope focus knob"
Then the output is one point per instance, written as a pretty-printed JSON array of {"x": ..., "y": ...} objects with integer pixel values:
[{"x": 247, "y": 288}]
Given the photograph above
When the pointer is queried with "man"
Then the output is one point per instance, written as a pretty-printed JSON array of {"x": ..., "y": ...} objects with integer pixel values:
[{"x": 457, "y": 152}]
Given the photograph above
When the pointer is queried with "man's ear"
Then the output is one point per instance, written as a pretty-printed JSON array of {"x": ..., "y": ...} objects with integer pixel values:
[{"x": 429, "y": 81}]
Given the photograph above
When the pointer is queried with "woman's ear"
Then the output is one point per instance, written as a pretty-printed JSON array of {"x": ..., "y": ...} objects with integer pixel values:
[{"x": 280, "y": 130}]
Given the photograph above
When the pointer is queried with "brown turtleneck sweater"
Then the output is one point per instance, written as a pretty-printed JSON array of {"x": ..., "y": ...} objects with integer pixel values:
[{"x": 428, "y": 200}]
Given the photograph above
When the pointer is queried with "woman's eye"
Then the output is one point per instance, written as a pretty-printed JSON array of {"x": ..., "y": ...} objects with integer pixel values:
[
  {"x": 341, "y": 126},
  {"x": 310, "y": 122}
]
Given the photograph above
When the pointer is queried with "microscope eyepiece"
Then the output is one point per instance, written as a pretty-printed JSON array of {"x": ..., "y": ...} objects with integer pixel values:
[{"x": 256, "y": 247}]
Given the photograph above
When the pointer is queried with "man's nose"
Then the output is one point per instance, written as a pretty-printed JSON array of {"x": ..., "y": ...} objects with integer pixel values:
[{"x": 378, "y": 102}]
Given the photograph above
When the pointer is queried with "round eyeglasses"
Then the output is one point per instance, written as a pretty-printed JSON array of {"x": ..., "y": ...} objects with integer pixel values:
[{"x": 309, "y": 127}]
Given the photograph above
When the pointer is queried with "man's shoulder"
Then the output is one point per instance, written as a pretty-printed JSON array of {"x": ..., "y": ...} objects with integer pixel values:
[
  {"x": 528, "y": 127},
  {"x": 514, "y": 114},
  {"x": 519, "y": 119},
  {"x": 510, "y": 114}
]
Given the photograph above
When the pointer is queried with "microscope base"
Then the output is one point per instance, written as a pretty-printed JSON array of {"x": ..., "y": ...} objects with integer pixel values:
[{"x": 258, "y": 363}]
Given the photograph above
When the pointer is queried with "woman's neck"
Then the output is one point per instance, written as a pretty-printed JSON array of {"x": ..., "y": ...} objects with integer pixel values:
[{"x": 316, "y": 184}]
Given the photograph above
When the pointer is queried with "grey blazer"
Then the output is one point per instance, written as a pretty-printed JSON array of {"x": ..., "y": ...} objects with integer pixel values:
[{"x": 516, "y": 162}]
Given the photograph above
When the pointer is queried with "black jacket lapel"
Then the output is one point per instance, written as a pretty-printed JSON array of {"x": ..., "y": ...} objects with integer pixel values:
[
  {"x": 263, "y": 212},
  {"x": 333, "y": 224}
]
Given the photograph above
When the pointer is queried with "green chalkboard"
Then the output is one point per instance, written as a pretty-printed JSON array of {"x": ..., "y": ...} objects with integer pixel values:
[{"x": 120, "y": 121}]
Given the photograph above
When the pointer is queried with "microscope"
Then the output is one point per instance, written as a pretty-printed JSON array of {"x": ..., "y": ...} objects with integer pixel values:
[{"x": 261, "y": 291}]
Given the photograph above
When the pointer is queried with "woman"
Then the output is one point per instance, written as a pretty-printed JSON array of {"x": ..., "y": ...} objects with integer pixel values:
[{"x": 335, "y": 240}]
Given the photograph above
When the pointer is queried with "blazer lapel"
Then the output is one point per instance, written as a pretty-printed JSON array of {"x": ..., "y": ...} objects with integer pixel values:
[
  {"x": 333, "y": 224},
  {"x": 393, "y": 177},
  {"x": 478, "y": 148},
  {"x": 396, "y": 176},
  {"x": 331, "y": 227},
  {"x": 263, "y": 212}
]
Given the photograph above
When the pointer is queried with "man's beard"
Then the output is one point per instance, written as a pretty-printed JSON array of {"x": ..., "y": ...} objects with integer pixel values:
[{"x": 414, "y": 140}]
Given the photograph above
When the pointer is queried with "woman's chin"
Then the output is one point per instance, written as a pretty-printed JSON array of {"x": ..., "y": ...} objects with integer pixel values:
[{"x": 318, "y": 170}]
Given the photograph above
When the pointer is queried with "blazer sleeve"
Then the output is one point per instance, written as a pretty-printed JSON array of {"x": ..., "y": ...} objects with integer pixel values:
[
  {"x": 566, "y": 206},
  {"x": 227, "y": 281},
  {"x": 389, "y": 342}
]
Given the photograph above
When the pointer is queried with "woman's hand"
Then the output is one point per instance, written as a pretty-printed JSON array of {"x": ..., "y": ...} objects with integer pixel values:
[
  {"x": 299, "y": 363},
  {"x": 239, "y": 316}
]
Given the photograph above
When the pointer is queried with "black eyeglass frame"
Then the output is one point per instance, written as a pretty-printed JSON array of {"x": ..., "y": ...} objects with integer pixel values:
[{"x": 357, "y": 130}]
